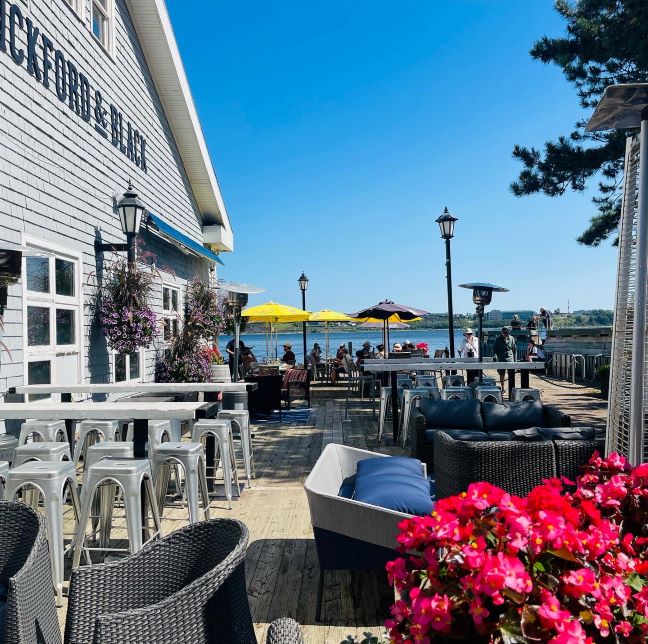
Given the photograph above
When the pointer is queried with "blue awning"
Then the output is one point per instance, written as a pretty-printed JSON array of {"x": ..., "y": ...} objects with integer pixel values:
[{"x": 176, "y": 236}]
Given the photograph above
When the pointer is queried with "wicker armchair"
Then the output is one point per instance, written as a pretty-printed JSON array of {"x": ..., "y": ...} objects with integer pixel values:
[
  {"x": 187, "y": 587},
  {"x": 26, "y": 572}
]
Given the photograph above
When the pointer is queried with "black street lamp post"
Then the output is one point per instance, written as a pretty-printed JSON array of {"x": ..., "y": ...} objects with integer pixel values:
[
  {"x": 303, "y": 285},
  {"x": 446, "y": 224},
  {"x": 482, "y": 295},
  {"x": 131, "y": 211}
]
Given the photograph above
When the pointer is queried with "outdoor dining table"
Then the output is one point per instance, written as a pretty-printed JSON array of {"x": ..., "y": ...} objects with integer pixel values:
[
  {"x": 394, "y": 365},
  {"x": 139, "y": 412}
]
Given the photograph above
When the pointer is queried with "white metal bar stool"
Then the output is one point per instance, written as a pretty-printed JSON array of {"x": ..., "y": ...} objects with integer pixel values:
[
  {"x": 522, "y": 395},
  {"x": 385, "y": 402},
  {"x": 411, "y": 398},
  {"x": 456, "y": 393},
  {"x": 487, "y": 393},
  {"x": 221, "y": 429},
  {"x": 422, "y": 380},
  {"x": 191, "y": 457},
  {"x": 240, "y": 419},
  {"x": 38, "y": 451},
  {"x": 52, "y": 480},
  {"x": 8, "y": 446},
  {"x": 134, "y": 478},
  {"x": 159, "y": 431},
  {"x": 4, "y": 468},
  {"x": 93, "y": 431},
  {"x": 43, "y": 430},
  {"x": 454, "y": 381}
]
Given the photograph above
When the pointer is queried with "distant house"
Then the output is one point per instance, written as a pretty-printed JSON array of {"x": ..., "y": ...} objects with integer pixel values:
[{"x": 94, "y": 94}]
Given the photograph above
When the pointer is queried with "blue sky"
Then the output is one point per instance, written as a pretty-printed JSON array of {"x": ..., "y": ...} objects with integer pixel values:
[{"x": 339, "y": 131}]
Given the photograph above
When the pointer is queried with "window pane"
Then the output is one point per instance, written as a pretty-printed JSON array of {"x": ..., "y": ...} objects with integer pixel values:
[
  {"x": 99, "y": 25},
  {"x": 38, "y": 274},
  {"x": 167, "y": 330},
  {"x": 166, "y": 299},
  {"x": 38, "y": 326},
  {"x": 39, "y": 373},
  {"x": 174, "y": 300},
  {"x": 120, "y": 367},
  {"x": 65, "y": 333},
  {"x": 175, "y": 327},
  {"x": 64, "y": 278},
  {"x": 134, "y": 366}
]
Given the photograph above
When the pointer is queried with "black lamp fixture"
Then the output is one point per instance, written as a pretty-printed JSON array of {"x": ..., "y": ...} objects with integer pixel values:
[
  {"x": 446, "y": 224},
  {"x": 303, "y": 285},
  {"x": 237, "y": 298},
  {"x": 131, "y": 210},
  {"x": 482, "y": 294}
]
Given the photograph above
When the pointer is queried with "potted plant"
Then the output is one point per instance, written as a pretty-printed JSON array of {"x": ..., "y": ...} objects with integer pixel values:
[
  {"x": 567, "y": 564},
  {"x": 603, "y": 378},
  {"x": 219, "y": 370},
  {"x": 122, "y": 305}
]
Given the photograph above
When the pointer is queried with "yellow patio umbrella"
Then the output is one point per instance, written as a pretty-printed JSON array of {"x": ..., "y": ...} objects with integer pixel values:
[
  {"x": 275, "y": 313},
  {"x": 326, "y": 316}
]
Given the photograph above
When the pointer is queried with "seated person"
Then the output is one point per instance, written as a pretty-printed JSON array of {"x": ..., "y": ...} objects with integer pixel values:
[
  {"x": 288, "y": 356},
  {"x": 398, "y": 347},
  {"x": 516, "y": 323},
  {"x": 365, "y": 352},
  {"x": 316, "y": 354},
  {"x": 532, "y": 323},
  {"x": 339, "y": 364},
  {"x": 249, "y": 361},
  {"x": 381, "y": 353}
]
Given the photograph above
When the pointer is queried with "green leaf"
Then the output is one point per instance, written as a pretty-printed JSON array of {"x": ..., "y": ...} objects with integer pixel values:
[{"x": 635, "y": 581}]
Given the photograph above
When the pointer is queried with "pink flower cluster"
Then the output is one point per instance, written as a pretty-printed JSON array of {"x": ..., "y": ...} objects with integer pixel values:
[{"x": 568, "y": 564}]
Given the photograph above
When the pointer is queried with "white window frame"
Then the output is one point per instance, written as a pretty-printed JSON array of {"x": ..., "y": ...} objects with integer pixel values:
[
  {"x": 113, "y": 367},
  {"x": 109, "y": 14},
  {"x": 171, "y": 314},
  {"x": 75, "y": 5},
  {"x": 52, "y": 301}
]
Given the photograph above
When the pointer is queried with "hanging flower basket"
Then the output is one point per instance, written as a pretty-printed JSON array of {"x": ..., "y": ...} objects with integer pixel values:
[{"x": 127, "y": 321}]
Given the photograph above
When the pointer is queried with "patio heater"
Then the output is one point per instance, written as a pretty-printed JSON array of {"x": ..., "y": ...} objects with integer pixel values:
[
  {"x": 303, "y": 285},
  {"x": 237, "y": 298},
  {"x": 482, "y": 294},
  {"x": 623, "y": 107},
  {"x": 131, "y": 210},
  {"x": 446, "y": 224}
]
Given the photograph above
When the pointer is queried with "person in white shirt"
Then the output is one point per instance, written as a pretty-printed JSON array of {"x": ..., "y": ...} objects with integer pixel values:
[{"x": 469, "y": 348}]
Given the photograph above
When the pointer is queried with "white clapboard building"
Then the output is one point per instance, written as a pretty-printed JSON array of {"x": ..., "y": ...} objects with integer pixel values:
[{"x": 93, "y": 94}]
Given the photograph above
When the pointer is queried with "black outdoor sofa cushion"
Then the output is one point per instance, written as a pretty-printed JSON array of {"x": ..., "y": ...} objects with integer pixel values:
[{"x": 472, "y": 419}]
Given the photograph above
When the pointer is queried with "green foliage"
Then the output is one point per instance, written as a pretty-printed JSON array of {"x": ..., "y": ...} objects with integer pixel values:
[
  {"x": 367, "y": 638},
  {"x": 605, "y": 44},
  {"x": 603, "y": 377}
]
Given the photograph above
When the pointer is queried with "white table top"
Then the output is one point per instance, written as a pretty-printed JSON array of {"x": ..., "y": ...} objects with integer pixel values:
[
  {"x": 138, "y": 387},
  {"x": 395, "y": 365},
  {"x": 100, "y": 410}
]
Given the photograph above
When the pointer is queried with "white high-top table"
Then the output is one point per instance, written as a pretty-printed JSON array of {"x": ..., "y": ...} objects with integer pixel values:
[
  {"x": 139, "y": 412},
  {"x": 393, "y": 366}
]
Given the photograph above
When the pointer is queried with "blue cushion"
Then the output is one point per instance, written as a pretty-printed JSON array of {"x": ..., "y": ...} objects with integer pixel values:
[
  {"x": 453, "y": 414},
  {"x": 396, "y": 483},
  {"x": 383, "y": 465},
  {"x": 348, "y": 487},
  {"x": 457, "y": 434},
  {"x": 500, "y": 436},
  {"x": 515, "y": 416}
]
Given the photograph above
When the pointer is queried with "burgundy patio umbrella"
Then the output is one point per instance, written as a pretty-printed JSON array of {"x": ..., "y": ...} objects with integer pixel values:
[{"x": 389, "y": 311}]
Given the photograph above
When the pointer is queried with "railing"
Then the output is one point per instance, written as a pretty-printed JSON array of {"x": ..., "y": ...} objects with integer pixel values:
[{"x": 575, "y": 366}]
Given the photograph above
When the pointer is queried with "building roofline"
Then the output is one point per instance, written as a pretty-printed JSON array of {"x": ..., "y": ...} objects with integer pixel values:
[{"x": 153, "y": 25}]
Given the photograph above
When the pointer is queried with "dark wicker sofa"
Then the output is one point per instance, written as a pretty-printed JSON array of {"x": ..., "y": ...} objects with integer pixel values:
[
  {"x": 474, "y": 420},
  {"x": 516, "y": 466}
]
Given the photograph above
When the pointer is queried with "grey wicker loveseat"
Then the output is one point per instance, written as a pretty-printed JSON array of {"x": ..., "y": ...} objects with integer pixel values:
[
  {"x": 475, "y": 420},
  {"x": 26, "y": 574},
  {"x": 515, "y": 466},
  {"x": 186, "y": 588}
]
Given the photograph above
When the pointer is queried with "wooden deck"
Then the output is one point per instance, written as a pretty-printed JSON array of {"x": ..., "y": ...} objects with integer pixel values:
[{"x": 281, "y": 562}]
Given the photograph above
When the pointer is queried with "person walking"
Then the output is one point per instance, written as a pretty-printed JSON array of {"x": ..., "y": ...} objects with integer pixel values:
[
  {"x": 545, "y": 316},
  {"x": 505, "y": 350},
  {"x": 469, "y": 348}
]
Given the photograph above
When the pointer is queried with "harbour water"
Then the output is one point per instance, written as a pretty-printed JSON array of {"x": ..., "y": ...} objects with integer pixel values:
[{"x": 262, "y": 347}]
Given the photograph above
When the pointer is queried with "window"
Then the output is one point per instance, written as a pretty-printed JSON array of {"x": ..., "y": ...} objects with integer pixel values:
[
  {"x": 170, "y": 312},
  {"x": 52, "y": 314},
  {"x": 102, "y": 22},
  {"x": 73, "y": 3},
  {"x": 127, "y": 368}
]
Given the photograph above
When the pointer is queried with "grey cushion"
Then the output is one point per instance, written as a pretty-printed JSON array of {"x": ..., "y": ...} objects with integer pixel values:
[
  {"x": 515, "y": 416},
  {"x": 530, "y": 434},
  {"x": 457, "y": 434},
  {"x": 452, "y": 414},
  {"x": 567, "y": 433}
]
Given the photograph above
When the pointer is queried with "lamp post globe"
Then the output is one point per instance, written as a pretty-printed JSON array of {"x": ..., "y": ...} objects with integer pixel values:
[
  {"x": 131, "y": 210},
  {"x": 446, "y": 225}
]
